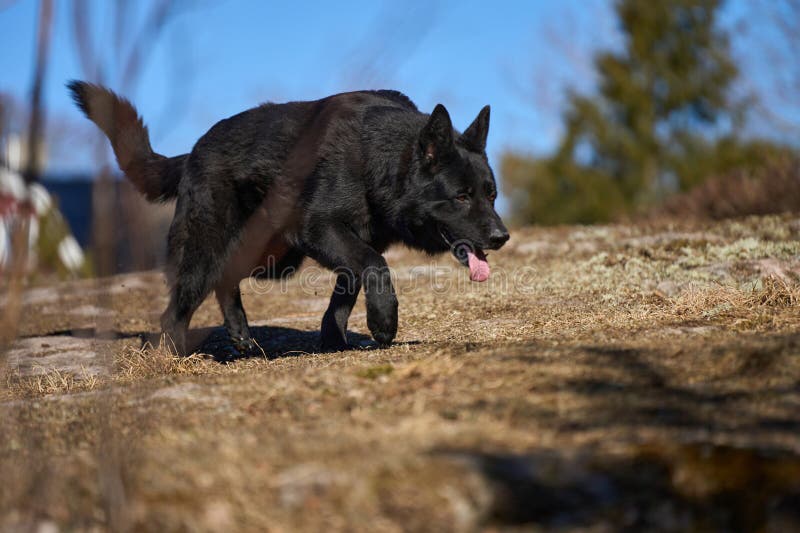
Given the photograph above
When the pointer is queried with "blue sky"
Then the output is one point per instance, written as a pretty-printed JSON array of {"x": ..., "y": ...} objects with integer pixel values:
[{"x": 217, "y": 58}]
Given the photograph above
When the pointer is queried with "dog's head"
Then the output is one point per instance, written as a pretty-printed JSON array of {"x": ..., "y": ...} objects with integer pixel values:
[{"x": 453, "y": 206}]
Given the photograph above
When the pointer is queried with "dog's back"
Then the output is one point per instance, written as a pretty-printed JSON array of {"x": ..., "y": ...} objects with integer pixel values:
[{"x": 276, "y": 148}]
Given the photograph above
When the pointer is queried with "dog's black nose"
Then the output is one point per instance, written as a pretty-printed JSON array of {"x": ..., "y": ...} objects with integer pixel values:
[{"x": 498, "y": 238}]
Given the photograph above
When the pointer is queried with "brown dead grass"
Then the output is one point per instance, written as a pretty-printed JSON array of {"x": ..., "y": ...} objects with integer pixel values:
[
  {"x": 148, "y": 361},
  {"x": 50, "y": 381}
]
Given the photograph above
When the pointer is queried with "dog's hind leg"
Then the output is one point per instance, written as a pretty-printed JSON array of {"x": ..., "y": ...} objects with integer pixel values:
[
  {"x": 334, "y": 323},
  {"x": 230, "y": 302},
  {"x": 186, "y": 297},
  {"x": 195, "y": 257},
  {"x": 189, "y": 290}
]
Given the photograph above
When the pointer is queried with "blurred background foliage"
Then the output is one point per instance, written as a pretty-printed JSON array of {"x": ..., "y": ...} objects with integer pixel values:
[{"x": 663, "y": 120}]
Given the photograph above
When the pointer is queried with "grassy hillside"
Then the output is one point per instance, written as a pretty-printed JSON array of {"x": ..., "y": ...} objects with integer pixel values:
[{"x": 612, "y": 376}]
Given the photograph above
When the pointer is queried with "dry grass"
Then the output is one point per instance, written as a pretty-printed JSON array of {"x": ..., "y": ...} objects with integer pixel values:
[
  {"x": 613, "y": 377},
  {"x": 777, "y": 292},
  {"x": 725, "y": 301},
  {"x": 148, "y": 361},
  {"x": 51, "y": 381}
]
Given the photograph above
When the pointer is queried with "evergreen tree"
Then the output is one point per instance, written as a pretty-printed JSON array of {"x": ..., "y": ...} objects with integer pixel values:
[{"x": 655, "y": 124}]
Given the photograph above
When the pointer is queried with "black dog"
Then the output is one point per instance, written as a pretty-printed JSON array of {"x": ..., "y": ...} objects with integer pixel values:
[{"x": 337, "y": 179}]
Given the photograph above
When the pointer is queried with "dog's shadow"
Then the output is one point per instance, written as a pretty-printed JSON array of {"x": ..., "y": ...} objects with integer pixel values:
[{"x": 273, "y": 342}]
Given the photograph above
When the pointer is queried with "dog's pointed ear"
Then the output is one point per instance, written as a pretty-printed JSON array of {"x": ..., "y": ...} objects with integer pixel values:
[
  {"x": 436, "y": 138},
  {"x": 474, "y": 138}
]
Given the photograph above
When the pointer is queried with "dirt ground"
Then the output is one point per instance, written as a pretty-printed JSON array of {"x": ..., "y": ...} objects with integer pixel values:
[{"x": 605, "y": 379}]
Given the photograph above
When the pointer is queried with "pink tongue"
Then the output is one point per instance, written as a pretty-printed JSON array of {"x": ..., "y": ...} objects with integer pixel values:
[{"x": 478, "y": 266}]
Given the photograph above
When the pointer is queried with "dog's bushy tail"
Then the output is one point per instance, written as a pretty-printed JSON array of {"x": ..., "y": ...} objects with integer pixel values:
[{"x": 154, "y": 175}]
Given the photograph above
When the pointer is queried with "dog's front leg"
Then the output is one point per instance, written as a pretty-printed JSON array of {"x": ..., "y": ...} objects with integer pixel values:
[
  {"x": 381, "y": 303},
  {"x": 334, "y": 322},
  {"x": 341, "y": 250}
]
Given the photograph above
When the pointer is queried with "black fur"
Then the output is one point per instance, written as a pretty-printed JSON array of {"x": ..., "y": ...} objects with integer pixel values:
[{"x": 338, "y": 180}]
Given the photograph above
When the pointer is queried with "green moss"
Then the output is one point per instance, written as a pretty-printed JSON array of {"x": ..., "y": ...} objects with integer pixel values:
[{"x": 375, "y": 372}]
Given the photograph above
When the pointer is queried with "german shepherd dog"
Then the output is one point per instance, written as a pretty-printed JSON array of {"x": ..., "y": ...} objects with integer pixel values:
[{"x": 337, "y": 179}]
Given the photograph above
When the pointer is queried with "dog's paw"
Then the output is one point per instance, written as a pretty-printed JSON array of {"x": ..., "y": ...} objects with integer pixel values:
[
  {"x": 227, "y": 354},
  {"x": 332, "y": 339},
  {"x": 382, "y": 319},
  {"x": 246, "y": 346},
  {"x": 333, "y": 345},
  {"x": 383, "y": 338}
]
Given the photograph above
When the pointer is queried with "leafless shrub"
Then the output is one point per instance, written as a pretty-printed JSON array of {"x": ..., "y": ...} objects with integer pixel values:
[{"x": 772, "y": 189}]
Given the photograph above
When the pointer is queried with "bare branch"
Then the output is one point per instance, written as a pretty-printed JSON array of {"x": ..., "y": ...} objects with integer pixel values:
[
  {"x": 121, "y": 17},
  {"x": 36, "y": 128},
  {"x": 390, "y": 42},
  {"x": 143, "y": 43},
  {"x": 90, "y": 64}
]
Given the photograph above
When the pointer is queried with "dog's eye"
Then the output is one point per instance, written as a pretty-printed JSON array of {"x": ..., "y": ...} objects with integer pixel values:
[
  {"x": 463, "y": 198},
  {"x": 492, "y": 196}
]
